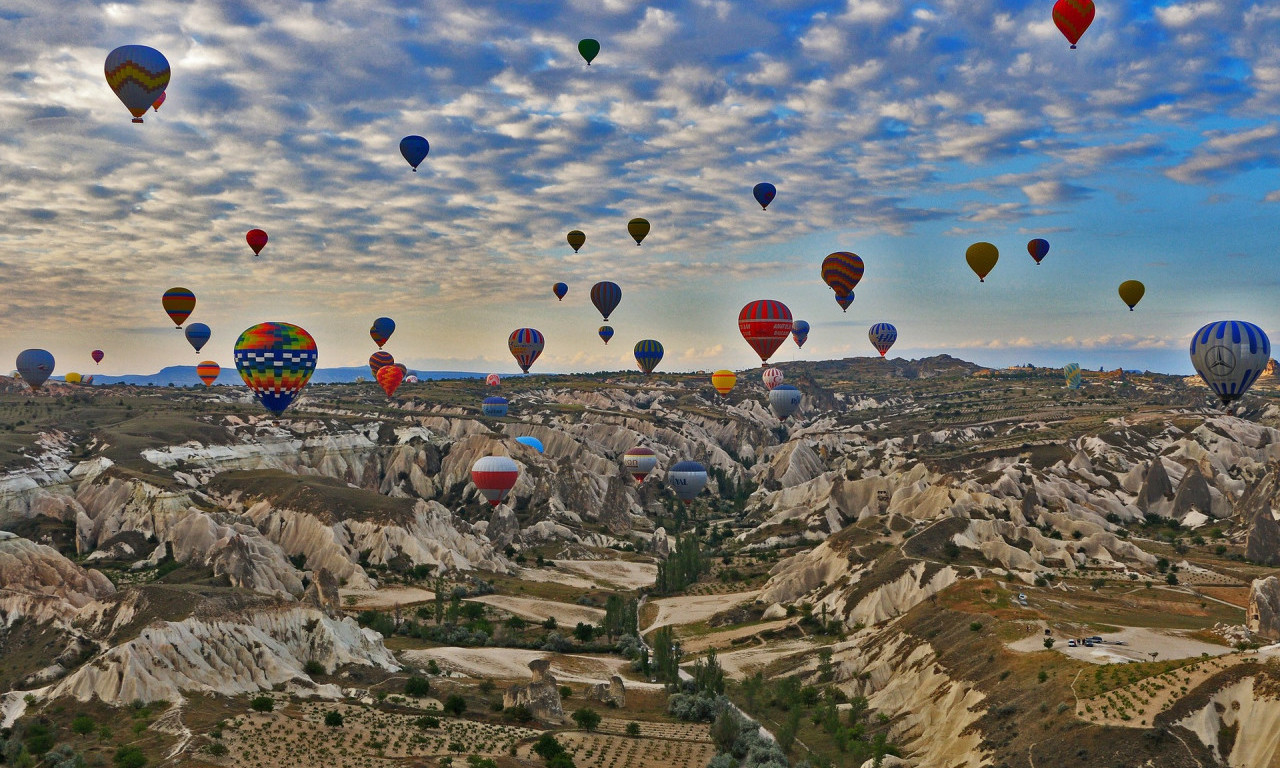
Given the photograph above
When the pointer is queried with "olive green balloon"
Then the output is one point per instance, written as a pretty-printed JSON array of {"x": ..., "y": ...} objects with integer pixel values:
[
  {"x": 982, "y": 259},
  {"x": 576, "y": 238},
  {"x": 1131, "y": 292},
  {"x": 589, "y": 49},
  {"x": 638, "y": 228}
]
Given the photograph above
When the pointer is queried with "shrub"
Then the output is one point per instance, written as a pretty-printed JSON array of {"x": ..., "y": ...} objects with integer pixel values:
[
  {"x": 217, "y": 749},
  {"x": 587, "y": 718},
  {"x": 313, "y": 667},
  {"x": 129, "y": 756},
  {"x": 333, "y": 718},
  {"x": 262, "y": 704},
  {"x": 975, "y": 626},
  {"x": 427, "y": 722},
  {"x": 633, "y": 729},
  {"x": 83, "y": 725},
  {"x": 455, "y": 705},
  {"x": 565, "y": 691},
  {"x": 520, "y": 713},
  {"x": 547, "y": 747},
  {"x": 417, "y": 686}
]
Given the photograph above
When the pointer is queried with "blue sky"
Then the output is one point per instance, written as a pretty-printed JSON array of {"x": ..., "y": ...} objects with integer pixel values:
[{"x": 900, "y": 131}]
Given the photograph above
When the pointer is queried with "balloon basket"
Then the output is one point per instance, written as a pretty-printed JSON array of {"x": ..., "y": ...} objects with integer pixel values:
[{"x": 137, "y": 120}]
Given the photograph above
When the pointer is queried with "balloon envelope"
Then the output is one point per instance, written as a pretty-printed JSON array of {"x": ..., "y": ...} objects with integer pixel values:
[
  {"x": 764, "y": 193},
  {"x": 97, "y": 355},
  {"x": 638, "y": 228},
  {"x": 771, "y": 377},
  {"x": 155, "y": 105},
  {"x": 1038, "y": 248},
  {"x": 589, "y": 48},
  {"x": 844, "y": 301},
  {"x": 765, "y": 324},
  {"x": 982, "y": 259},
  {"x": 198, "y": 335},
  {"x": 494, "y": 476},
  {"x": 34, "y": 366},
  {"x": 530, "y": 441},
  {"x": 800, "y": 332},
  {"x": 577, "y": 238},
  {"x": 1072, "y": 18},
  {"x": 784, "y": 399},
  {"x": 606, "y": 296},
  {"x": 687, "y": 479},
  {"x": 257, "y": 240},
  {"x": 1131, "y": 292},
  {"x": 494, "y": 407},
  {"x": 1071, "y": 372},
  {"x": 648, "y": 355},
  {"x": 389, "y": 378},
  {"x": 1230, "y": 355},
  {"x": 208, "y": 372},
  {"x": 842, "y": 271},
  {"x": 276, "y": 361},
  {"x": 560, "y": 289},
  {"x": 381, "y": 330},
  {"x": 724, "y": 381},
  {"x": 415, "y": 149},
  {"x": 882, "y": 336},
  {"x": 178, "y": 303},
  {"x": 525, "y": 345},
  {"x": 378, "y": 360},
  {"x": 606, "y": 333},
  {"x": 72, "y": 378},
  {"x": 493, "y": 379},
  {"x": 639, "y": 462},
  {"x": 138, "y": 75}
]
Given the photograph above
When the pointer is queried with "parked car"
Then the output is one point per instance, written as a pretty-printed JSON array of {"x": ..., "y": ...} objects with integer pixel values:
[
  {"x": 1071, "y": 643},
  {"x": 1088, "y": 643}
]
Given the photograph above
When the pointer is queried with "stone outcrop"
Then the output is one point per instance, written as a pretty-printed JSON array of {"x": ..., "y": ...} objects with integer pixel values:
[
  {"x": 611, "y": 694},
  {"x": 541, "y": 696},
  {"x": 1156, "y": 488},
  {"x": 35, "y": 569},
  {"x": 1263, "y": 544},
  {"x": 1264, "y": 608},
  {"x": 659, "y": 545},
  {"x": 322, "y": 593},
  {"x": 503, "y": 527}
]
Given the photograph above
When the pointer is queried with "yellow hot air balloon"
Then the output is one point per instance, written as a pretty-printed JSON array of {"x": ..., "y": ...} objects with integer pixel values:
[
  {"x": 982, "y": 259},
  {"x": 576, "y": 239},
  {"x": 723, "y": 381},
  {"x": 1131, "y": 292},
  {"x": 72, "y": 378},
  {"x": 638, "y": 228}
]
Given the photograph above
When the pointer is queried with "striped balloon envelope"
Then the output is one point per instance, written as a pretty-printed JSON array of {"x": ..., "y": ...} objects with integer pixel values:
[
  {"x": 494, "y": 476},
  {"x": 494, "y": 407},
  {"x": 178, "y": 304},
  {"x": 800, "y": 332},
  {"x": 771, "y": 377},
  {"x": 606, "y": 296},
  {"x": 390, "y": 377},
  {"x": 1230, "y": 355},
  {"x": 276, "y": 360},
  {"x": 138, "y": 75},
  {"x": 687, "y": 479},
  {"x": 765, "y": 324},
  {"x": 525, "y": 345},
  {"x": 882, "y": 336},
  {"x": 639, "y": 462},
  {"x": 198, "y": 335},
  {"x": 606, "y": 333},
  {"x": 842, "y": 271},
  {"x": 208, "y": 372},
  {"x": 378, "y": 360},
  {"x": 844, "y": 300},
  {"x": 381, "y": 330},
  {"x": 724, "y": 381},
  {"x": 648, "y": 355},
  {"x": 1071, "y": 372},
  {"x": 577, "y": 238},
  {"x": 784, "y": 399}
]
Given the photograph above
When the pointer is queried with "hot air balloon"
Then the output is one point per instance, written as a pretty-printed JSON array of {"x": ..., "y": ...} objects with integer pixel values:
[
  {"x": 414, "y": 149},
  {"x": 198, "y": 335},
  {"x": 155, "y": 105},
  {"x": 606, "y": 333},
  {"x": 1038, "y": 248},
  {"x": 208, "y": 372},
  {"x": 724, "y": 381},
  {"x": 381, "y": 330},
  {"x": 34, "y": 366},
  {"x": 842, "y": 271},
  {"x": 97, "y": 355},
  {"x": 178, "y": 304},
  {"x": 648, "y": 355},
  {"x": 531, "y": 441},
  {"x": 276, "y": 361},
  {"x": 982, "y": 259},
  {"x": 257, "y": 240},
  {"x": 86, "y": 380},
  {"x": 403, "y": 368},
  {"x": 606, "y": 296},
  {"x": 765, "y": 324},
  {"x": 639, "y": 462},
  {"x": 378, "y": 360},
  {"x": 844, "y": 301},
  {"x": 493, "y": 379},
  {"x": 139, "y": 76},
  {"x": 72, "y": 378},
  {"x": 638, "y": 228},
  {"x": 784, "y": 399},
  {"x": 1073, "y": 17},
  {"x": 771, "y": 377},
  {"x": 882, "y": 336},
  {"x": 389, "y": 378},
  {"x": 687, "y": 479},
  {"x": 1071, "y": 371},
  {"x": 494, "y": 476},
  {"x": 411, "y": 379},
  {"x": 560, "y": 289},
  {"x": 589, "y": 48},
  {"x": 800, "y": 332},
  {"x": 1230, "y": 355},
  {"x": 577, "y": 238},
  {"x": 764, "y": 193},
  {"x": 494, "y": 407},
  {"x": 1131, "y": 292},
  {"x": 525, "y": 345}
]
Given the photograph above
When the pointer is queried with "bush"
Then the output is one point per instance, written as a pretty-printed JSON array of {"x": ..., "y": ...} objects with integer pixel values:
[
  {"x": 633, "y": 729},
  {"x": 129, "y": 757},
  {"x": 975, "y": 626},
  {"x": 455, "y": 705},
  {"x": 520, "y": 713},
  {"x": 333, "y": 718},
  {"x": 586, "y": 718},
  {"x": 262, "y": 704},
  {"x": 83, "y": 725},
  {"x": 565, "y": 691},
  {"x": 217, "y": 749},
  {"x": 427, "y": 722},
  {"x": 417, "y": 686},
  {"x": 313, "y": 668},
  {"x": 547, "y": 747}
]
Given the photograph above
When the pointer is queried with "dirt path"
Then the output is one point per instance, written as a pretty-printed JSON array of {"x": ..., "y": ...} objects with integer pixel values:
[
  {"x": 513, "y": 664},
  {"x": 565, "y": 614},
  {"x": 389, "y": 597},
  {"x": 1140, "y": 642},
  {"x": 678, "y": 611}
]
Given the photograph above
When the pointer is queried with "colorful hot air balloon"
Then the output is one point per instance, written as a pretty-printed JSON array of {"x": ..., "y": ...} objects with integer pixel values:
[
  {"x": 560, "y": 289},
  {"x": 139, "y": 76},
  {"x": 414, "y": 149},
  {"x": 842, "y": 271},
  {"x": 72, "y": 378},
  {"x": 882, "y": 336},
  {"x": 257, "y": 240},
  {"x": 687, "y": 479},
  {"x": 403, "y": 368},
  {"x": 1131, "y": 292},
  {"x": 724, "y": 381},
  {"x": 784, "y": 399},
  {"x": 97, "y": 355},
  {"x": 589, "y": 48},
  {"x": 178, "y": 303},
  {"x": 208, "y": 372},
  {"x": 638, "y": 228},
  {"x": 606, "y": 333},
  {"x": 389, "y": 378},
  {"x": 155, "y": 105},
  {"x": 1230, "y": 355},
  {"x": 1038, "y": 248},
  {"x": 494, "y": 476},
  {"x": 639, "y": 462},
  {"x": 1071, "y": 371},
  {"x": 381, "y": 330},
  {"x": 494, "y": 407},
  {"x": 771, "y": 377},
  {"x": 276, "y": 361},
  {"x": 648, "y": 355},
  {"x": 525, "y": 345},
  {"x": 982, "y": 259},
  {"x": 378, "y": 360},
  {"x": 34, "y": 366},
  {"x": 493, "y": 379},
  {"x": 531, "y": 441},
  {"x": 1073, "y": 17},
  {"x": 577, "y": 238},
  {"x": 844, "y": 301},
  {"x": 198, "y": 335},
  {"x": 606, "y": 296},
  {"x": 764, "y": 193},
  {"x": 800, "y": 332},
  {"x": 765, "y": 324}
]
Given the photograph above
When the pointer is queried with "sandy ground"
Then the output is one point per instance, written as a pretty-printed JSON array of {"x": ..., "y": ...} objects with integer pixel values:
[
  {"x": 1140, "y": 642},
  {"x": 690, "y": 610},
  {"x": 386, "y": 598},
  {"x": 725, "y": 639},
  {"x": 616, "y": 574},
  {"x": 553, "y": 576},
  {"x": 566, "y": 614},
  {"x": 513, "y": 664},
  {"x": 745, "y": 662}
]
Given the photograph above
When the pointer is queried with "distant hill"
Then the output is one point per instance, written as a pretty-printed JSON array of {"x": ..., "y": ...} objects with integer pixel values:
[{"x": 183, "y": 375}]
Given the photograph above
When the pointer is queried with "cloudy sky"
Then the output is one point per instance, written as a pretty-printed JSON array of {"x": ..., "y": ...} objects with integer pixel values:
[{"x": 902, "y": 131}]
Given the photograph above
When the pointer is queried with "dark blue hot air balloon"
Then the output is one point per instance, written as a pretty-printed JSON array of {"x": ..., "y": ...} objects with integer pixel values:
[
  {"x": 414, "y": 149},
  {"x": 34, "y": 366},
  {"x": 764, "y": 192},
  {"x": 1038, "y": 248},
  {"x": 494, "y": 407},
  {"x": 381, "y": 330},
  {"x": 560, "y": 289},
  {"x": 606, "y": 296},
  {"x": 648, "y": 355},
  {"x": 198, "y": 335}
]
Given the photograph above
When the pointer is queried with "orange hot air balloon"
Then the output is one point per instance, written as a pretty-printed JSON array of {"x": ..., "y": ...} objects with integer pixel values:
[
  {"x": 389, "y": 378},
  {"x": 208, "y": 372}
]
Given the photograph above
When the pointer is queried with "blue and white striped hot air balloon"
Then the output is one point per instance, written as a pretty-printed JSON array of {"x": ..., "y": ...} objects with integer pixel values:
[{"x": 1230, "y": 355}]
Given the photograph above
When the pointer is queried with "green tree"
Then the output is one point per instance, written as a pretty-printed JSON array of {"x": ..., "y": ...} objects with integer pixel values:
[
  {"x": 455, "y": 705},
  {"x": 725, "y": 730},
  {"x": 547, "y": 747},
  {"x": 417, "y": 686},
  {"x": 83, "y": 725},
  {"x": 666, "y": 656},
  {"x": 262, "y": 703},
  {"x": 633, "y": 729},
  {"x": 708, "y": 676},
  {"x": 584, "y": 633},
  {"x": 129, "y": 756},
  {"x": 586, "y": 718},
  {"x": 333, "y": 718}
]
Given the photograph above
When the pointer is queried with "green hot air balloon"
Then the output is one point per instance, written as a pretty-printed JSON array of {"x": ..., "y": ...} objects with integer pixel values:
[
  {"x": 638, "y": 228},
  {"x": 589, "y": 49}
]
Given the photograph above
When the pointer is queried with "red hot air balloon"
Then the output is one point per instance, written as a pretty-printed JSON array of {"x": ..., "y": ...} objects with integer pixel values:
[
  {"x": 97, "y": 355},
  {"x": 379, "y": 360},
  {"x": 1073, "y": 17},
  {"x": 257, "y": 240},
  {"x": 389, "y": 378},
  {"x": 494, "y": 476},
  {"x": 765, "y": 324},
  {"x": 493, "y": 380}
]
